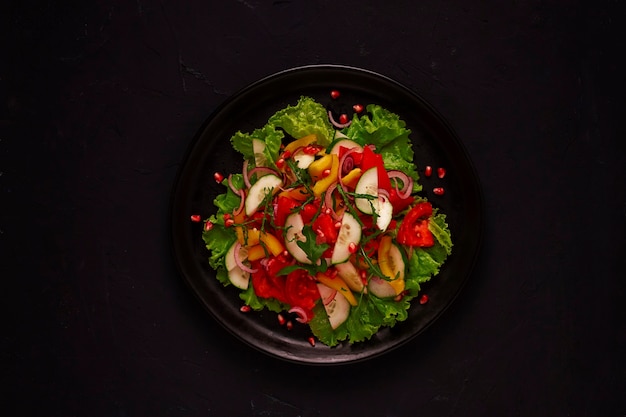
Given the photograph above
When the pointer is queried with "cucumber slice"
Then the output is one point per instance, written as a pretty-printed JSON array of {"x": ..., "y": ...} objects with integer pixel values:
[
  {"x": 350, "y": 275},
  {"x": 337, "y": 308},
  {"x": 258, "y": 146},
  {"x": 267, "y": 184},
  {"x": 293, "y": 234},
  {"x": 346, "y": 143},
  {"x": 349, "y": 232},
  {"x": 367, "y": 185}
]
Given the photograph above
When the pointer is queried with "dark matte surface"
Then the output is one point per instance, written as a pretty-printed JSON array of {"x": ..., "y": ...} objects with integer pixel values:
[{"x": 101, "y": 99}]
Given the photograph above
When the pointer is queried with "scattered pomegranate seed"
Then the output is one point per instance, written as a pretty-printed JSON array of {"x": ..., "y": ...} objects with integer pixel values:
[
  {"x": 312, "y": 341},
  {"x": 310, "y": 150},
  {"x": 280, "y": 163},
  {"x": 227, "y": 216},
  {"x": 196, "y": 218},
  {"x": 334, "y": 94},
  {"x": 439, "y": 190},
  {"x": 326, "y": 173},
  {"x": 218, "y": 177},
  {"x": 423, "y": 299},
  {"x": 363, "y": 274},
  {"x": 208, "y": 225},
  {"x": 327, "y": 211},
  {"x": 286, "y": 154},
  {"x": 338, "y": 225},
  {"x": 281, "y": 319},
  {"x": 428, "y": 171},
  {"x": 343, "y": 118},
  {"x": 229, "y": 222},
  {"x": 352, "y": 247},
  {"x": 441, "y": 172},
  {"x": 289, "y": 325},
  {"x": 285, "y": 253},
  {"x": 358, "y": 108},
  {"x": 245, "y": 309}
]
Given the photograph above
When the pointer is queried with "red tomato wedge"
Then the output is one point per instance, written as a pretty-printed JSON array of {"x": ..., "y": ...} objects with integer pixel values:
[{"x": 414, "y": 227}]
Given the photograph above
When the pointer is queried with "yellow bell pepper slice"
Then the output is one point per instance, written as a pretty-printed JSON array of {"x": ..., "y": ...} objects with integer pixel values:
[
  {"x": 388, "y": 265},
  {"x": 339, "y": 285},
  {"x": 272, "y": 244},
  {"x": 298, "y": 193},
  {"x": 352, "y": 177},
  {"x": 299, "y": 143},
  {"x": 317, "y": 167},
  {"x": 256, "y": 252},
  {"x": 322, "y": 184}
]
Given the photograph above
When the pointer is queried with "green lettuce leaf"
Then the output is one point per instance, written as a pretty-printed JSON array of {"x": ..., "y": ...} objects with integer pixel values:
[
  {"x": 379, "y": 130},
  {"x": 242, "y": 142},
  {"x": 305, "y": 118}
]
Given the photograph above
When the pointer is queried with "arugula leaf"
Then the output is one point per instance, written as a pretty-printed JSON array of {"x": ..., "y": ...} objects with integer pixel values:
[
  {"x": 313, "y": 250},
  {"x": 305, "y": 118}
]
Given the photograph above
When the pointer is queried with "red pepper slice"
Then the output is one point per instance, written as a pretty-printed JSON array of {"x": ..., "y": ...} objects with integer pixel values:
[
  {"x": 357, "y": 157},
  {"x": 308, "y": 212},
  {"x": 284, "y": 207},
  {"x": 324, "y": 225},
  {"x": 414, "y": 227},
  {"x": 372, "y": 159},
  {"x": 398, "y": 203}
]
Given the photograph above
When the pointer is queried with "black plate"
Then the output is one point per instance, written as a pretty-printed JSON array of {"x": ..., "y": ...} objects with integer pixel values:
[{"x": 434, "y": 143}]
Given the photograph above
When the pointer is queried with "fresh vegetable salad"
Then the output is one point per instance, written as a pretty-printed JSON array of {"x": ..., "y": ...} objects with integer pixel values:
[{"x": 324, "y": 224}]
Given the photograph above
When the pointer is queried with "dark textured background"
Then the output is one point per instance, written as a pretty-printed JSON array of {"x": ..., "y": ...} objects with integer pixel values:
[{"x": 99, "y": 100}]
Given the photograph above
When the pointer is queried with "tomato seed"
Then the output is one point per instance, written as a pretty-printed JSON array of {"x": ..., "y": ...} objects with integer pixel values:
[
  {"x": 218, "y": 177},
  {"x": 245, "y": 309},
  {"x": 423, "y": 299},
  {"x": 441, "y": 172},
  {"x": 358, "y": 108},
  {"x": 428, "y": 171},
  {"x": 312, "y": 341},
  {"x": 334, "y": 94},
  {"x": 343, "y": 118},
  {"x": 196, "y": 218},
  {"x": 281, "y": 319},
  {"x": 439, "y": 190},
  {"x": 208, "y": 225}
]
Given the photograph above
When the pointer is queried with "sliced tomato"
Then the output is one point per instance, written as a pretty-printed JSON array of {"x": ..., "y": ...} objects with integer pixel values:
[
  {"x": 266, "y": 285},
  {"x": 372, "y": 159},
  {"x": 324, "y": 225},
  {"x": 301, "y": 291},
  {"x": 414, "y": 230},
  {"x": 284, "y": 207},
  {"x": 308, "y": 212}
]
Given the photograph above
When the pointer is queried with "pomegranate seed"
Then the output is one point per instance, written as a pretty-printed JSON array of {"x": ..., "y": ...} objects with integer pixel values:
[
  {"x": 280, "y": 163},
  {"x": 338, "y": 225},
  {"x": 312, "y": 341},
  {"x": 196, "y": 218},
  {"x": 326, "y": 173},
  {"x": 289, "y": 325},
  {"x": 343, "y": 118},
  {"x": 285, "y": 253},
  {"x": 245, "y": 309},
  {"x": 428, "y": 171},
  {"x": 423, "y": 299},
  {"x": 327, "y": 210},
  {"x": 439, "y": 190},
  {"x": 218, "y": 177},
  {"x": 227, "y": 216},
  {"x": 441, "y": 172},
  {"x": 310, "y": 150},
  {"x": 320, "y": 233},
  {"x": 352, "y": 247},
  {"x": 281, "y": 319},
  {"x": 363, "y": 274},
  {"x": 334, "y": 94},
  {"x": 286, "y": 154},
  {"x": 358, "y": 108},
  {"x": 398, "y": 297},
  {"x": 229, "y": 222},
  {"x": 208, "y": 226}
]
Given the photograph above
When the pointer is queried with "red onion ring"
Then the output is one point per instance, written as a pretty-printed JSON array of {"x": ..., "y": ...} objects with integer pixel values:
[
  {"x": 337, "y": 124},
  {"x": 330, "y": 298},
  {"x": 244, "y": 171},
  {"x": 242, "y": 195},
  {"x": 407, "y": 183},
  {"x": 328, "y": 200},
  {"x": 302, "y": 316},
  {"x": 238, "y": 261}
]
